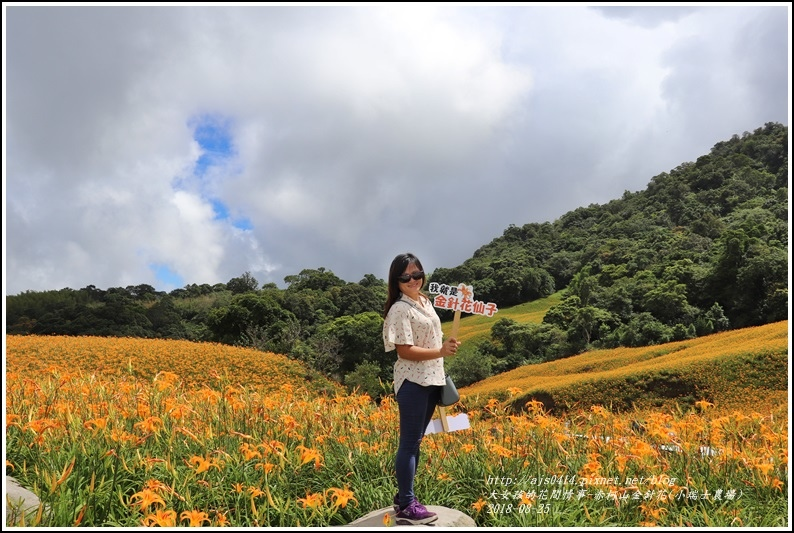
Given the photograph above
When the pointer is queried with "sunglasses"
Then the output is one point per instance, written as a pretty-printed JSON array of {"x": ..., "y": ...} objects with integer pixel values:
[{"x": 405, "y": 278}]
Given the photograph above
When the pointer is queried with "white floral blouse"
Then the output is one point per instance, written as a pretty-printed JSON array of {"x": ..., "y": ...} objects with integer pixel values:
[{"x": 417, "y": 324}]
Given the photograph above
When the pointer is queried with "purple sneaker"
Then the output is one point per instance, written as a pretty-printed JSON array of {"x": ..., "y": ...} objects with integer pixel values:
[
  {"x": 415, "y": 514},
  {"x": 397, "y": 503}
]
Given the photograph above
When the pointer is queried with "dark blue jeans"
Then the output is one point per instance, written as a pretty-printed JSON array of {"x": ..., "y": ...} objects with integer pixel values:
[{"x": 417, "y": 404}]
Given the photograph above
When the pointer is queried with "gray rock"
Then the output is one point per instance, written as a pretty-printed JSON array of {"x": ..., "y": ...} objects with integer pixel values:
[
  {"x": 446, "y": 518},
  {"x": 19, "y": 501}
]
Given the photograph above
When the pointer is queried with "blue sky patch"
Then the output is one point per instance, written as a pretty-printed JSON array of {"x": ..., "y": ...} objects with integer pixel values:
[
  {"x": 222, "y": 213},
  {"x": 166, "y": 277},
  {"x": 213, "y": 133}
]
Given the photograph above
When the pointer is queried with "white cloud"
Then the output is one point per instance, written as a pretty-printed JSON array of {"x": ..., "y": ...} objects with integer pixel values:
[{"x": 358, "y": 132}]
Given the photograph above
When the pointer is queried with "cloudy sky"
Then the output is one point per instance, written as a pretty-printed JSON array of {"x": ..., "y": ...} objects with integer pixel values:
[{"x": 170, "y": 145}]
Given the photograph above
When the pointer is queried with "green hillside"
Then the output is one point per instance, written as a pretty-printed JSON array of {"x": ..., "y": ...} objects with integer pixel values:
[{"x": 724, "y": 368}]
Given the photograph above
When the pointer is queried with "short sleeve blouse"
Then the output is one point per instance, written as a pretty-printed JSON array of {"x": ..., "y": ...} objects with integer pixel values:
[{"x": 417, "y": 324}]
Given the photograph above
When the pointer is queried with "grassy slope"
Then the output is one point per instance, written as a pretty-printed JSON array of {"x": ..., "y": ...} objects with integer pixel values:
[
  {"x": 477, "y": 327},
  {"x": 732, "y": 369}
]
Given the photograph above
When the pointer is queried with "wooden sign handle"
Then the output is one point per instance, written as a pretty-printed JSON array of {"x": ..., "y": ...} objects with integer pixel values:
[
  {"x": 442, "y": 412},
  {"x": 455, "y": 325},
  {"x": 442, "y": 415}
]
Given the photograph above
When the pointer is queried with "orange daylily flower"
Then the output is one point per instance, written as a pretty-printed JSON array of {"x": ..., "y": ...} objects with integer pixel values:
[
  {"x": 479, "y": 504},
  {"x": 195, "y": 518},
  {"x": 145, "y": 498},
  {"x": 501, "y": 451},
  {"x": 492, "y": 403},
  {"x": 203, "y": 464},
  {"x": 96, "y": 423},
  {"x": 13, "y": 420},
  {"x": 341, "y": 497},
  {"x": 534, "y": 406},
  {"x": 310, "y": 454},
  {"x": 764, "y": 466},
  {"x": 266, "y": 467},
  {"x": 161, "y": 518},
  {"x": 527, "y": 499},
  {"x": 312, "y": 500},
  {"x": 152, "y": 424},
  {"x": 248, "y": 451},
  {"x": 703, "y": 404}
]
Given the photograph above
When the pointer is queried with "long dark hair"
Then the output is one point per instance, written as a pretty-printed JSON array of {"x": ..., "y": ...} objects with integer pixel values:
[{"x": 398, "y": 266}]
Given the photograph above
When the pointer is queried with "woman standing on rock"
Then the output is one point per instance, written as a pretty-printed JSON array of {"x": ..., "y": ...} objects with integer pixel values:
[{"x": 412, "y": 327}]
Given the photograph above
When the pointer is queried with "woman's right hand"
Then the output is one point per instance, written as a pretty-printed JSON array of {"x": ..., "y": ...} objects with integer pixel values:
[{"x": 449, "y": 347}]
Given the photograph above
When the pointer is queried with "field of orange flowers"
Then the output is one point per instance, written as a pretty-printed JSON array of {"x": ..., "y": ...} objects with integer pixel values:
[{"x": 129, "y": 433}]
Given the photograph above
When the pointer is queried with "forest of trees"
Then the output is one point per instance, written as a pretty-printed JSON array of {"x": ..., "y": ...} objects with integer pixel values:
[{"x": 703, "y": 249}]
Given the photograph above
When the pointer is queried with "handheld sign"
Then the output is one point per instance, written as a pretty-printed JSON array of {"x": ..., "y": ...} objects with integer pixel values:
[{"x": 461, "y": 300}]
